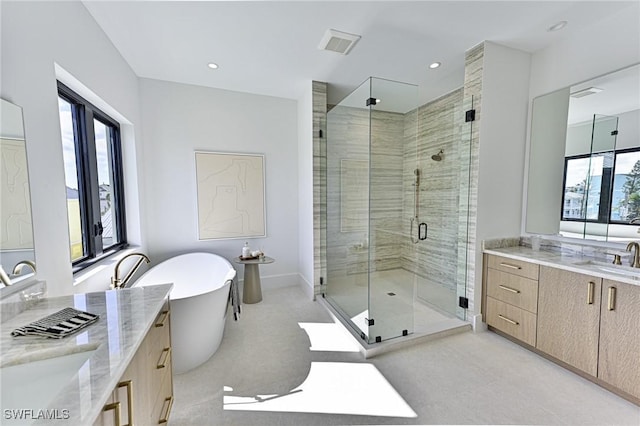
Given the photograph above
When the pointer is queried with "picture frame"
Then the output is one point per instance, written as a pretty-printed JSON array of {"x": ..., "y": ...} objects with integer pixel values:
[{"x": 230, "y": 195}]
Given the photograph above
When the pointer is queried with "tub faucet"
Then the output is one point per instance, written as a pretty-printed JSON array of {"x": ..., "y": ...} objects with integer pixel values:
[
  {"x": 18, "y": 268},
  {"x": 116, "y": 282}
]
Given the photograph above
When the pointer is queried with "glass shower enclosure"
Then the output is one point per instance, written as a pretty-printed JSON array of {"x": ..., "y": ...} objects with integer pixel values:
[{"x": 387, "y": 210}]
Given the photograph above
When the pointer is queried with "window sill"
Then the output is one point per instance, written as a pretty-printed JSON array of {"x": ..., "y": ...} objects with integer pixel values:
[{"x": 107, "y": 262}]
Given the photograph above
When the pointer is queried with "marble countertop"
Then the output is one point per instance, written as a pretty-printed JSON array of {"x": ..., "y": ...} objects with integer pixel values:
[
  {"x": 125, "y": 318},
  {"x": 571, "y": 261}
]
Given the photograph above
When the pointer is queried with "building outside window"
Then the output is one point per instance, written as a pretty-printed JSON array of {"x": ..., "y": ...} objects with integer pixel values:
[{"x": 602, "y": 187}]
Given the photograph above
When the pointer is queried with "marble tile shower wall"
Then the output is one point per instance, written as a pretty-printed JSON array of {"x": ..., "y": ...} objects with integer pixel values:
[
  {"x": 319, "y": 101},
  {"x": 359, "y": 228},
  {"x": 435, "y": 259},
  {"x": 470, "y": 137}
]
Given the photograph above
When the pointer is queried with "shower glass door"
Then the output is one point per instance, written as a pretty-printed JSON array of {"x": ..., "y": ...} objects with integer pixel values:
[
  {"x": 392, "y": 153},
  {"x": 369, "y": 135},
  {"x": 347, "y": 211}
]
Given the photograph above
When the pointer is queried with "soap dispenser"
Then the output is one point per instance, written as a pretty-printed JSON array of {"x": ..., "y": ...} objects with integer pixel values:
[{"x": 246, "y": 250}]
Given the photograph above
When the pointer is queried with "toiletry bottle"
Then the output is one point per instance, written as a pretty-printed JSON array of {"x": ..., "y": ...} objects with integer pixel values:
[{"x": 246, "y": 250}]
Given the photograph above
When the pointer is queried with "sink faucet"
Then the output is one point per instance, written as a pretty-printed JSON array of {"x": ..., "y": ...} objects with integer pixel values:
[
  {"x": 636, "y": 253},
  {"x": 116, "y": 282},
  {"x": 18, "y": 268}
]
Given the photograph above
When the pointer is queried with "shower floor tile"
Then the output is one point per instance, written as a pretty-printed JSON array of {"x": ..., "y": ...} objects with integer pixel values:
[{"x": 393, "y": 302}]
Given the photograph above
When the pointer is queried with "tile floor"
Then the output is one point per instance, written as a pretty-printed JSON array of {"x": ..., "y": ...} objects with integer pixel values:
[{"x": 265, "y": 373}]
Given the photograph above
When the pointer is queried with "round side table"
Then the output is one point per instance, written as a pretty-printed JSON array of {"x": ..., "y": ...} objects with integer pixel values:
[{"x": 252, "y": 291}]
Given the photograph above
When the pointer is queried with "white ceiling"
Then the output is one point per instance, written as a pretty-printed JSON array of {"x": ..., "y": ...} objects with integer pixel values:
[{"x": 270, "y": 47}]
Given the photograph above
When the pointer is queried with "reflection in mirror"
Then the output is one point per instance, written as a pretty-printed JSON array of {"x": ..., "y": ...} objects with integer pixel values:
[
  {"x": 17, "y": 258},
  {"x": 584, "y": 160}
]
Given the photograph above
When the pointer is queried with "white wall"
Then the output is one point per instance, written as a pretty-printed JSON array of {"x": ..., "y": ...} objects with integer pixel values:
[
  {"x": 305, "y": 187},
  {"x": 579, "y": 135},
  {"x": 179, "y": 119},
  {"x": 503, "y": 117},
  {"x": 606, "y": 46},
  {"x": 35, "y": 37}
]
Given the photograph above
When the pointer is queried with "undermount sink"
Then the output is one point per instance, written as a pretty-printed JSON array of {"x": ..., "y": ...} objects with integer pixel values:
[
  {"x": 33, "y": 385},
  {"x": 610, "y": 268}
]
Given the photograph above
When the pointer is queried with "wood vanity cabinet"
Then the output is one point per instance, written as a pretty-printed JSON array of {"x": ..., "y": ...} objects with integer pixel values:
[
  {"x": 569, "y": 317},
  {"x": 619, "y": 357},
  {"x": 589, "y": 323},
  {"x": 144, "y": 394},
  {"x": 512, "y": 297}
]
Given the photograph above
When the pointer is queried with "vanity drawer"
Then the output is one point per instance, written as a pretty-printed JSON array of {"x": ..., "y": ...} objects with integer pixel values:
[
  {"x": 514, "y": 266},
  {"x": 160, "y": 333},
  {"x": 159, "y": 368},
  {"x": 164, "y": 401},
  {"x": 512, "y": 320},
  {"x": 514, "y": 290}
]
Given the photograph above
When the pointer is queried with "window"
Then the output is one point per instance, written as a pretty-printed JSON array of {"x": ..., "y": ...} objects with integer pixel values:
[
  {"x": 93, "y": 174},
  {"x": 602, "y": 187}
]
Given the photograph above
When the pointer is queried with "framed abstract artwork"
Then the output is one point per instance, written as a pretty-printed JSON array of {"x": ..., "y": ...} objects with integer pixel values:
[{"x": 231, "y": 195}]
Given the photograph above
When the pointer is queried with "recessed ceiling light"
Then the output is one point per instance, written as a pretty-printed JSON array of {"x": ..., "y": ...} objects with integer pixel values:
[
  {"x": 435, "y": 65},
  {"x": 557, "y": 27},
  {"x": 212, "y": 65}
]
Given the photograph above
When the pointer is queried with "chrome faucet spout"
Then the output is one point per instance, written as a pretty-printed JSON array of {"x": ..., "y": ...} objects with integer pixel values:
[
  {"x": 636, "y": 253},
  {"x": 18, "y": 268},
  {"x": 116, "y": 282}
]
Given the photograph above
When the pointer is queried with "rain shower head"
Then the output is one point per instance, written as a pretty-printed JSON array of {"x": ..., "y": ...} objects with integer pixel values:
[{"x": 438, "y": 156}]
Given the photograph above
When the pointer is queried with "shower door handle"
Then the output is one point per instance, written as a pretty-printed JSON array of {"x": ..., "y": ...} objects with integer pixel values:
[{"x": 422, "y": 231}]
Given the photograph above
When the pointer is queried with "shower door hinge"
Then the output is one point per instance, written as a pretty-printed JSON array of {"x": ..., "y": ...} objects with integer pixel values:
[
  {"x": 463, "y": 302},
  {"x": 372, "y": 101},
  {"x": 321, "y": 280},
  {"x": 378, "y": 339},
  {"x": 369, "y": 321},
  {"x": 614, "y": 133},
  {"x": 320, "y": 133},
  {"x": 470, "y": 115},
  {"x": 405, "y": 332}
]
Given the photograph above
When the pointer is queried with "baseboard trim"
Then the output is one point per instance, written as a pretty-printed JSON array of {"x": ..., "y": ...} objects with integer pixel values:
[
  {"x": 477, "y": 324},
  {"x": 306, "y": 286}
]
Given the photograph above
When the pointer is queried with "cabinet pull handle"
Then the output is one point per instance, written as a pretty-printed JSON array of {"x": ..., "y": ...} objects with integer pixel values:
[
  {"x": 164, "y": 315},
  {"x": 129, "y": 385},
  {"x": 507, "y": 265},
  {"x": 116, "y": 413},
  {"x": 590, "y": 291},
  {"x": 510, "y": 321},
  {"x": 166, "y": 352},
  {"x": 165, "y": 418},
  {"x": 612, "y": 299},
  {"x": 512, "y": 290}
]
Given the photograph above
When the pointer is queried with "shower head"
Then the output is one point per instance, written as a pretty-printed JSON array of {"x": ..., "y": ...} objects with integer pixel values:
[{"x": 438, "y": 156}]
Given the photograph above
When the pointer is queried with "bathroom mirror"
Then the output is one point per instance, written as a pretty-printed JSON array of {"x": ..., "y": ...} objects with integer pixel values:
[
  {"x": 16, "y": 231},
  {"x": 584, "y": 160}
]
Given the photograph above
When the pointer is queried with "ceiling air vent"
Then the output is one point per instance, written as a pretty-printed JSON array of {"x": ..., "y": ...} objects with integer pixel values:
[
  {"x": 585, "y": 92},
  {"x": 337, "y": 41}
]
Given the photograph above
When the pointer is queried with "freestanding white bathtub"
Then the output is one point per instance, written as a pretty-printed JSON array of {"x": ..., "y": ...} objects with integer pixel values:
[{"x": 199, "y": 297}]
